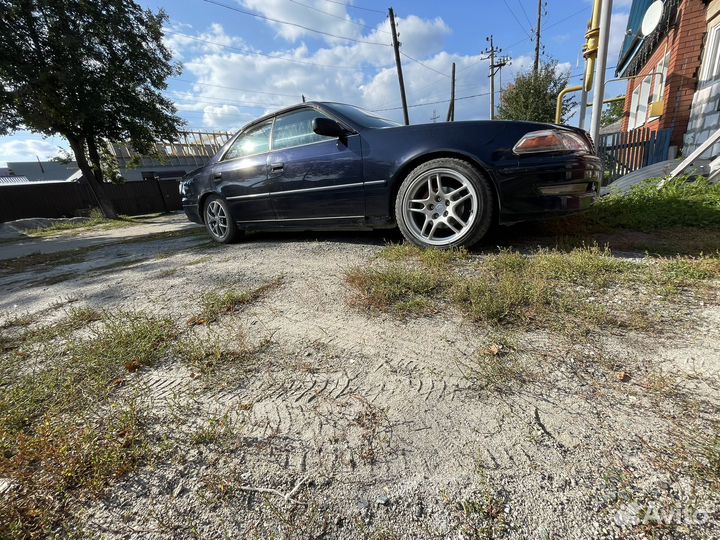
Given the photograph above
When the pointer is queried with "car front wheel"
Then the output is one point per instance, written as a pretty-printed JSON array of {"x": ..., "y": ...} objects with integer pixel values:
[
  {"x": 444, "y": 203},
  {"x": 218, "y": 221}
]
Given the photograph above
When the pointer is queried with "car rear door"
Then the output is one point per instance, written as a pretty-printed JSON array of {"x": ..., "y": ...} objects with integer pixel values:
[
  {"x": 241, "y": 176},
  {"x": 314, "y": 177}
]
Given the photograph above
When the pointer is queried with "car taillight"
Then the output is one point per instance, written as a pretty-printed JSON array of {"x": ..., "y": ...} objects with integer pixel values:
[{"x": 550, "y": 140}]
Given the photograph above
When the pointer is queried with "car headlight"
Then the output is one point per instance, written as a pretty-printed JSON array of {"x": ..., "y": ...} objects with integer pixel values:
[
  {"x": 184, "y": 187},
  {"x": 550, "y": 140}
]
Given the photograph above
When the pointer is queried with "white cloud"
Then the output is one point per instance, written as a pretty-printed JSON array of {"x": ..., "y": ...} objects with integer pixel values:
[
  {"x": 362, "y": 73},
  {"x": 618, "y": 26},
  {"x": 27, "y": 149},
  {"x": 326, "y": 16},
  {"x": 182, "y": 41},
  {"x": 359, "y": 73}
]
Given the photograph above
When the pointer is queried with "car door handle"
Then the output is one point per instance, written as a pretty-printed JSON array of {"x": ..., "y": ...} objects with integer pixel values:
[
  {"x": 277, "y": 167},
  {"x": 217, "y": 176}
]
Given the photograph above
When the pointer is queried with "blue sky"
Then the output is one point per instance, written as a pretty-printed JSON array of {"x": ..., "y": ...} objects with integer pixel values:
[{"x": 237, "y": 67}]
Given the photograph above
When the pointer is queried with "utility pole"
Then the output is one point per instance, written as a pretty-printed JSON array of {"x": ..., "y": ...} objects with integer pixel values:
[
  {"x": 495, "y": 67},
  {"x": 451, "y": 108},
  {"x": 492, "y": 79},
  {"x": 536, "y": 66},
  {"x": 396, "y": 46},
  {"x": 434, "y": 116},
  {"x": 600, "y": 65}
]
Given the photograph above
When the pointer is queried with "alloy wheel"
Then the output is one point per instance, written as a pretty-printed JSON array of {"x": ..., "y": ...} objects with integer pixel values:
[
  {"x": 440, "y": 206},
  {"x": 217, "y": 219}
]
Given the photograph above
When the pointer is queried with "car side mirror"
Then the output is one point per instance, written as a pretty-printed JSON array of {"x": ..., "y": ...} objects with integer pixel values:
[{"x": 327, "y": 127}]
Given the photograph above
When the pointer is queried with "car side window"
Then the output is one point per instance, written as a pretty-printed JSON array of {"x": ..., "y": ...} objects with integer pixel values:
[
  {"x": 295, "y": 129},
  {"x": 255, "y": 140}
]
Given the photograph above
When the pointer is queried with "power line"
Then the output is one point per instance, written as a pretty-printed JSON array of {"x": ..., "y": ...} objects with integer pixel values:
[
  {"x": 233, "y": 88},
  {"x": 438, "y": 79},
  {"x": 247, "y": 51},
  {"x": 527, "y": 18},
  {"x": 224, "y": 113},
  {"x": 264, "y": 17},
  {"x": 424, "y": 65},
  {"x": 559, "y": 21},
  {"x": 525, "y": 40},
  {"x": 209, "y": 99},
  {"x": 515, "y": 16},
  {"x": 339, "y": 17},
  {"x": 355, "y": 7},
  {"x": 433, "y": 102}
]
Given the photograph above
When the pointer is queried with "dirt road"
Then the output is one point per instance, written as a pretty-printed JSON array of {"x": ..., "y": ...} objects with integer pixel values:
[{"x": 376, "y": 426}]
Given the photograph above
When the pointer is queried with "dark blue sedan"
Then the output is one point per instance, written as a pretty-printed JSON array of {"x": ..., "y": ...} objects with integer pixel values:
[{"x": 334, "y": 166}]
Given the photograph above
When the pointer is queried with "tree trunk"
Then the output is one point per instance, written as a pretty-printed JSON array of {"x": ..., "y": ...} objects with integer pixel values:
[
  {"x": 105, "y": 204},
  {"x": 95, "y": 158}
]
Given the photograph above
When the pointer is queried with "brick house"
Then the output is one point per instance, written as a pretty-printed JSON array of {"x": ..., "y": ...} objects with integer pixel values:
[
  {"x": 705, "y": 110},
  {"x": 663, "y": 67}
]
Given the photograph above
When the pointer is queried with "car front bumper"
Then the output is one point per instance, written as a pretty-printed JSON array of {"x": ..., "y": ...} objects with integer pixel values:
[
  {"x": 542, "y": 187},
  {"x": 191, "y": 211}
]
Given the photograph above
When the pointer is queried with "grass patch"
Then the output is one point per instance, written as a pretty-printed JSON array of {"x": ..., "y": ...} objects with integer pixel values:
[
  {"x": 58, "y": 460},
  {"x": 36, "y": 261},
  {"x": 220, "y": 431},
  {"x": 79, "y": 372},
  {"x": 17, "y": 321},
  {"x": 680, "y": 203},
  {"x": 209, "y": 355},
  {"x": 402, "y": 291},
  {"x": 429, "y": 258},
  {"x": 497, "y": 366},
  {"x": 218, "y": 303},
  {"x": 63, "y": 435},
  {"x": 682, "y": 218},
  {"x": 574, "y": 290},
  {"x": 95, "y": 221}
]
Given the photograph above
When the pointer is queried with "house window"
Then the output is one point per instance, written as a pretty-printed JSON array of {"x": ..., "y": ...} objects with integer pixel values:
[
  {"x": 644, "y": 101},
  {"x": 632, "y": 119},
  {"x": 711, "y": 65},
  {"x": 658, "y": 89},
  {"x": 659, "y": 86},
  {"x": 639, "y": 103}
]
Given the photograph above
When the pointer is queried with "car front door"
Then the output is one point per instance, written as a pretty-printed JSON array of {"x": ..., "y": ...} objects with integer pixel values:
[
  {"x": 314, "y": 177},
  {"x": 241, "y": 176}
]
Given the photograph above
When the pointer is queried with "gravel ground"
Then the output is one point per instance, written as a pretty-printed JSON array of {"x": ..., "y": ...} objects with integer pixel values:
[{"x": 371, "y": 427}]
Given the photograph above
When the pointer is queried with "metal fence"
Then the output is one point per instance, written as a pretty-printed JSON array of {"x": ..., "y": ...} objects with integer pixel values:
[
  {"x": 67, "y": 199},
  {"x": 192, "y": 148},
  {"x": 627, "y": 151}
]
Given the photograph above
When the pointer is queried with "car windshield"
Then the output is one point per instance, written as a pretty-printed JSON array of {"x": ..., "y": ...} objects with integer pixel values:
[{"x": 362, "y": 117}]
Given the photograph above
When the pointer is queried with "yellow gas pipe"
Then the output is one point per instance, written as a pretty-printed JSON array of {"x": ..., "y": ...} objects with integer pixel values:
[
  {"x": 561, "y": 95},
  {"x": 589, "y": 53}
]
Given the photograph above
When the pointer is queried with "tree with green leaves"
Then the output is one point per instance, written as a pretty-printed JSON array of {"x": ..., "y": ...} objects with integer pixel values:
[
  {"x": 533, "y": 95},
  {"x": 92, "y": 71},
  {"x": 612, "y": 113}
]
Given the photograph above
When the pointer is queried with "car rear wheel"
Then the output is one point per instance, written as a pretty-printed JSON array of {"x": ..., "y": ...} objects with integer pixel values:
[
  {"x": 218, "y": 222},
  {"x": 444, "y": 203}
]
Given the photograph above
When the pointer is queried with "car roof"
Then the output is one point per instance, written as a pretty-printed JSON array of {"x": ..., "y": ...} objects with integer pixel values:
[{"x": 289, "y": 108}]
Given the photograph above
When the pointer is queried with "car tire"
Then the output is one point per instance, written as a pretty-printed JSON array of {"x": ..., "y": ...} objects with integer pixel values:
[
  {"x": 445, "y": 203},
  {"x": 218, "y": 221}
]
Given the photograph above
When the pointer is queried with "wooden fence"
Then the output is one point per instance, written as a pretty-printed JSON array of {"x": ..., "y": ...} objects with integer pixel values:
[
  {"x": 627, "y": 151},
  {"x": 67, "y": 199}
]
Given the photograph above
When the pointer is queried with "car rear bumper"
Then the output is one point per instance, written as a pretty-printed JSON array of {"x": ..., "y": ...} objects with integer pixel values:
[{"x": 549, "y": 186}]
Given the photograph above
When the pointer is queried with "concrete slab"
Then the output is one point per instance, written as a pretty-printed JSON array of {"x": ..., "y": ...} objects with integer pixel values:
[{"x": 656, "y": 170}]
